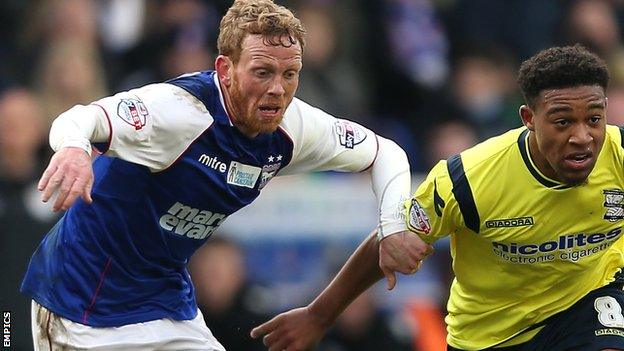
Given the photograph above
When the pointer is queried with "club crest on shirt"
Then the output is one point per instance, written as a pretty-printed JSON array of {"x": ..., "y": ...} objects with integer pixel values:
[
  {"x": 614, "y": 202},
  {"x": 268, "y": 172},
  {"x": 349, "y": 134},
  {"x": 418, "y": 219},
  {"x": 133, "y": 112}
]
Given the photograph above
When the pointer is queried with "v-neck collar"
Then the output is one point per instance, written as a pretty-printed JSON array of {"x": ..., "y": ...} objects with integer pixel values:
[{"x": 523, "y": 144}]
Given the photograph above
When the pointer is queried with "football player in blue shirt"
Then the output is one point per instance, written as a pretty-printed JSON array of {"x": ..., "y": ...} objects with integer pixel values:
[{"x": 177, "y": 159}]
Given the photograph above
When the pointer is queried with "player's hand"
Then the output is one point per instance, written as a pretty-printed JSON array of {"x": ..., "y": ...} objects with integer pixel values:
[
  {"x": 69, "y": 174},
  {"x": 296, "y": 330},
  {"x": 401, "y": 252}
]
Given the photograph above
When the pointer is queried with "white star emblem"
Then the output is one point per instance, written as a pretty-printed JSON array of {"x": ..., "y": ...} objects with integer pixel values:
[
  {"x": 271, "y": 158},
  {"x": 279, "y": 157}
]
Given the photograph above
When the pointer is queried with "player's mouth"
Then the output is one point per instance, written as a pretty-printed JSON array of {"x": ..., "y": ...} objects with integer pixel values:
[
  {"x": 270, "y": 111},
  {"x": 579, "y": 160}
]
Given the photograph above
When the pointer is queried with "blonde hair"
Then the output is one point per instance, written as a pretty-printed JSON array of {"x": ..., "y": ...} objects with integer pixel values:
[{"x": 277, "y": 25}]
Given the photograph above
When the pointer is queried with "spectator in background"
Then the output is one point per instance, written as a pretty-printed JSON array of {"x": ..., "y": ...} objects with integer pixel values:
[
  {"x": 12, "y": 68},
  {"x": 121, "y": 23},
  {"x": 594, "y": 24},
  {"x": 615, "y": 107},
  {"x": 332, "y": 77},
  {"x": 484, "y": 91},
  {"x": 408, "y": 70},
  {"x": 449, "y": 138},
  {"x": 22, "y": 215},
  {"x": 70, "y": 20},
  {"x": 63, "y": 41},
  {"x": 51, "y": 23},
  {"x": 231, "y": 307},
  {"x": 178, "y": 39},
  {"x": 70, "y": 73},
  {"x": 21, "y": 134},
  {"x": 519, "y": 27}
]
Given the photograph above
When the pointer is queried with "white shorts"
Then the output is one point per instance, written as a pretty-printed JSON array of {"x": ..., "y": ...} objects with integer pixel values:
[{"x": 52, "y": 332}]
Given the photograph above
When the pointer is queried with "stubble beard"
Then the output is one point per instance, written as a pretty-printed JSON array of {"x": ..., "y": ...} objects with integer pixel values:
[{"x": 247, "y": 119}]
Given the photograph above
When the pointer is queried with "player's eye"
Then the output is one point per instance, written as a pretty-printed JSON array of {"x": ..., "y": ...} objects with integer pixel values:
[
  {"x": 595, "y": 119},
  {"x": 291, "y": 74},
  {"x": 262, "y": 73}
]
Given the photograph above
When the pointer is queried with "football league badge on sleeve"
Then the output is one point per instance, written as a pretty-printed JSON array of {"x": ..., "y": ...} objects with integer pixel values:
[
  {"x": 418, "y": 219},
  {"x": 133, "y": 112},
  {"x": 349, "y": 133}
]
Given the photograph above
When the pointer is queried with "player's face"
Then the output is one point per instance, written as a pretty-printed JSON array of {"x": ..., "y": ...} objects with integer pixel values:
[
  {"x": 567, "y": 131},
  {"x": 262, "y": 84}
]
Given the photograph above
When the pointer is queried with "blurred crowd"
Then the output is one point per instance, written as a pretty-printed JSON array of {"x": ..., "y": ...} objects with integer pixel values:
[{"x": 437, "y": 76}]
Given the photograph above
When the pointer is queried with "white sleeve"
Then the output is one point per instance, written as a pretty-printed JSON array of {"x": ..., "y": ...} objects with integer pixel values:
[
  {"x": 78, "y": 127},
  {"x": 323, "y": 142},
  {"x": 391, "y": 179},
  {"x": 150, "y": 126}
]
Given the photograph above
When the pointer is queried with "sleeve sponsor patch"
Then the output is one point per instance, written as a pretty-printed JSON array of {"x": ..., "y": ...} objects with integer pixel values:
[
  {"x": 349, "y": 133},
  {"x": 418, "y": 219},
  {"x": 133, "y": 112}
]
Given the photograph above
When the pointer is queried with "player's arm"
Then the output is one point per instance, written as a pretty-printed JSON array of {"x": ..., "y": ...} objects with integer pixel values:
[
  {"x": 302, "y": 328},
  {"x": 149, "y": 126},
  {"x": 399, "y": 249},
  {"x": 323, "y": 142},
  {"x": 70, "y": 172},
  {"x": 429, "y": 215}
]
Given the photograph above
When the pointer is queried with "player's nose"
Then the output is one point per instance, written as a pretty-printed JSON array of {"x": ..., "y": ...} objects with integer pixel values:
[
  {"x": 277, "y": 86},
  {"x": 581, "y": 135}
]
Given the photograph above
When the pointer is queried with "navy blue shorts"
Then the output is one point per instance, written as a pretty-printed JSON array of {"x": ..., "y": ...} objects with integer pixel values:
[{"x": 593, "y": 323}]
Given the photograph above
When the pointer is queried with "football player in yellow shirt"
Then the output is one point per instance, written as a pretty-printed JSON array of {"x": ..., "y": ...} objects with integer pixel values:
[{"x": 535, "y": 219}]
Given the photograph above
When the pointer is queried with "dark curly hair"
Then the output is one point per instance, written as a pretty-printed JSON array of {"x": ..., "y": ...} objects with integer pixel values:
[{"x": 561, "y": 67}]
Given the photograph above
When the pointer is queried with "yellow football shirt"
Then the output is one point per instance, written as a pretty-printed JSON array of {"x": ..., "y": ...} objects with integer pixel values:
[{"x": 524, "y": 246}]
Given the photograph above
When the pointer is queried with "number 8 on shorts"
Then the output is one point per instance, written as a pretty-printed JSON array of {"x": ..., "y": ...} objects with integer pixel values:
[{"x": 609, "y": 312}]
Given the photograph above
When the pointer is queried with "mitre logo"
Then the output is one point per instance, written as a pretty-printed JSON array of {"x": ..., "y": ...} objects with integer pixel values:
[{"x": 212, "y": 162}]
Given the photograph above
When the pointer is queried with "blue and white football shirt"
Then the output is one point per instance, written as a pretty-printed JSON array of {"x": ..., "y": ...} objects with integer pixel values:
[{"x": 173, "y": 169}]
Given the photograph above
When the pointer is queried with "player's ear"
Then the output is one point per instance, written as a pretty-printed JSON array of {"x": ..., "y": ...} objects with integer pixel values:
[
  {"x": 223, "y": 66},
  {"x": 527, "y": 115}
]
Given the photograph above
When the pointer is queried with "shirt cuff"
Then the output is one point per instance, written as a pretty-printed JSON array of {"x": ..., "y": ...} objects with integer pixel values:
[{"x": 83, "y": 144}]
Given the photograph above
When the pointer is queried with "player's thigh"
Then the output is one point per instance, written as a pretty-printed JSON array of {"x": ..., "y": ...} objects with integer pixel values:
[
  {"x": 596, "y": 322},
  {"x": 605, "y": 309}
]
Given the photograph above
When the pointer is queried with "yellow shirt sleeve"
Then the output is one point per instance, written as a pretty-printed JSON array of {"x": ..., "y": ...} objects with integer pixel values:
[{"x": 432, "y": 212}]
